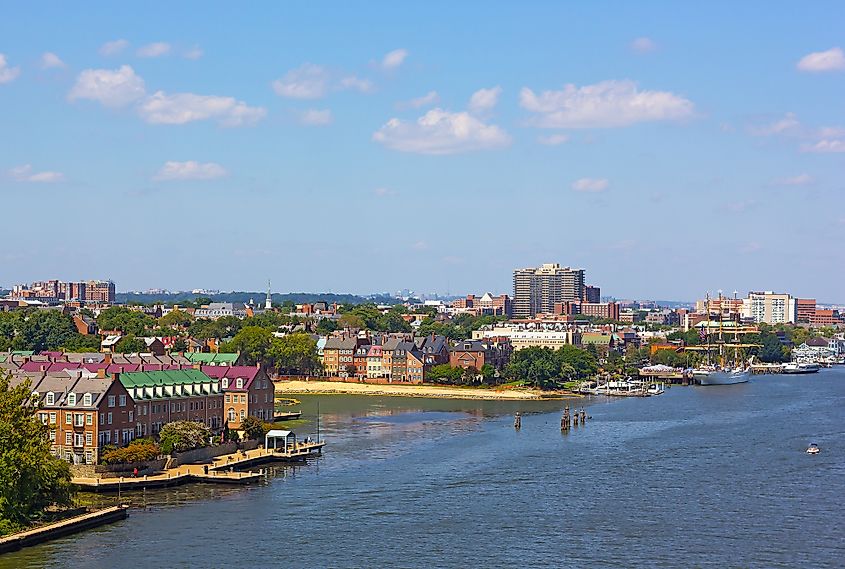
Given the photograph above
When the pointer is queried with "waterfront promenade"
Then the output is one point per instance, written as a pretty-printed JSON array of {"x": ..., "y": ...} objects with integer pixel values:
[
  {"x": 223, "y": 469},
  {"x": 319, "y": 387}
]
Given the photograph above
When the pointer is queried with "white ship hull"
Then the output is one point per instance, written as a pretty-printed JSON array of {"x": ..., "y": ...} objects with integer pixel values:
[
  {"x": 721, "y": 377},
  {"x": 801, "y": 368}
]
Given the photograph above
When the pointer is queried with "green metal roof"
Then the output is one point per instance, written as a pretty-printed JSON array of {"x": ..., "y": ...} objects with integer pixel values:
[
  {"x": 2, "y": 358},
  {"x": 595, "y": 339},
  {"x": 211, "y": 358},
  {"x": 166, "y": 377},
  {"x": 23, "y": 353}
]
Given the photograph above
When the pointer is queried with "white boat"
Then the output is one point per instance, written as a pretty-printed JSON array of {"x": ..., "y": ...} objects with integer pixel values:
[
  {"x": 813, "y": 449},
  {"x": 804, "y": 367},
  {"x": 720, "y": 376}
]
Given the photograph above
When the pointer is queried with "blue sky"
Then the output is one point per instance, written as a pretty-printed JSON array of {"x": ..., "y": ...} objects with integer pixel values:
[{"x": 667, "y": 148}]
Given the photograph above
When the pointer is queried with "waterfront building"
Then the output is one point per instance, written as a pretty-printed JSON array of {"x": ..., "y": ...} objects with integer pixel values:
[
  {"x": 769, "y": 307},
  {"x": 247, "y": 391},
  {"x": 805, "y": 310},
  {"x": 536, "y": 290},
  {"x": 92, "y": 292},
  {"x": 826, "y": 317}
]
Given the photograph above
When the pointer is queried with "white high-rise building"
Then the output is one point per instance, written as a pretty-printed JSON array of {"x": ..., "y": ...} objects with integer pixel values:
[
  {"x": 769, "y": 307},
  {"x": 539, "y": 289}
]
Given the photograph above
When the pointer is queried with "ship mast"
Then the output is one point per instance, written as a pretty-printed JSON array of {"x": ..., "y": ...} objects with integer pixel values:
[
  {"x": 721, "y": 340},
  {"x": 707, "y": 325}
]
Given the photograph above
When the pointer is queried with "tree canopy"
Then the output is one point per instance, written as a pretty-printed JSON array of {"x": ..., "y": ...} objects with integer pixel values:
[
  {"x": 31, "y": 478},
  {"x": 125, "y": 320},
  {"x": 548, "y": 369},
  {"x": 181, "y": 436}
]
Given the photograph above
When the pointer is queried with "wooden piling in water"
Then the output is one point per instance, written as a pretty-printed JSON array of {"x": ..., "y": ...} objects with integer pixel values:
[{"x": 517, "y": 421}]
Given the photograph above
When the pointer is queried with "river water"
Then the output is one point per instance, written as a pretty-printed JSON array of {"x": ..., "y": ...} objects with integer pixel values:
[{"x": 697, "y": 477}]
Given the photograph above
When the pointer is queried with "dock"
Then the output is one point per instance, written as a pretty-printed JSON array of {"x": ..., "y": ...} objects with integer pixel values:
[
  {"x": 62, "y": 528},
  {"x": 222, "y": 470}
]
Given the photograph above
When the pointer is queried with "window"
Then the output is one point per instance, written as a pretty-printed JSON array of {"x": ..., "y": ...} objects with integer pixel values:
[
  {"x": 243, "y": 414},
  {"x": 228, "y": 398},
  {"x": 68, "y": 438},
  {"x": 231, "y": 414},
  {"x": 131, "y": 416},
  {"x": 78, "y": 420},
  {"x": 51, "y": 398},
  {"x": 89, "y": 418},
  {"x": 52, "y": 435},
  {"x": 78, "y": 440},
  {"x": 102, "y": 418},
  {"x": 71, "y": 399},
  {"x": 109, "y": 418},
  {"x": 88, "y": 439},
  {"x": 224, "y": 383},
  {"x": 68, "y": 418},
  {"x": 52, "y": 417},
  {"x": 240, "y": 383},
  {"x": 123, "y": 401},
  {"x": 86, "y": 399},
  {"x": 111, "y": 400}
]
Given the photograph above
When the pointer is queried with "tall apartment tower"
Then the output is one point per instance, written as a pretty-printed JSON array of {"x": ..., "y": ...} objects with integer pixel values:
[{"x": 538, "y": 289}]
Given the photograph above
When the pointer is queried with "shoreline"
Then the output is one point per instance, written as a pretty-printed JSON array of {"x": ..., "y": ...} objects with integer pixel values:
[{"x": 289, "y": 387}]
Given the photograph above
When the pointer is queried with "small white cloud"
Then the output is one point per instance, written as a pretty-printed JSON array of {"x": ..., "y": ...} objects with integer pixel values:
[
  {"x": 316, "y": 117},
  {"x": 156, "y": 49},
  {"x": 429, "y": 98},
  {"x": 384, "y": 192},
  {"x": 603, "y": 105},
  {"x": 394, "y": 59},
  {"x": 50, "y": 60},
  {"x": 112, "y": 88},
  {"x": 181, "y": 108},
  {"x": 190, "y": 170},
  {"x": 357, "y": 84},
  {"x": 113, "y": 47},
  {"x": 750, "y": 247},
  {"x": 308, "y": 81},
  {"x": 25, "y": 174},
  {"x": 826, "y": 146},
  {"x": 799, "y": 180},
  {"x": 7, "y": 74},
  {"x": 484, "y": 100},
  {"x": 739, "y": 206},
  {"x": 590, "y": 185},
  {"x": 193, "y": 53},
  {"x": 441, "y": 132},
  {"x": 553, "y": 139},
  {"x": 420, "y": 245},
  {"x": 830, "y": 132},
  {"x": 643, "y": 45},
  {"x": 786, "y": 125},
  {"x": 821, "y": 61}
]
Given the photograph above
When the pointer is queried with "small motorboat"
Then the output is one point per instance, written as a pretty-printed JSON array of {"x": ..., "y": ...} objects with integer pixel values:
[{"x": 813, "y": 449}]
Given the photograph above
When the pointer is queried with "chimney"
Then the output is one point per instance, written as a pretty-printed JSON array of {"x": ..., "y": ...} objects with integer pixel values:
[
  {"x": 43, "y": 367},
  {"x": 116, "y": 376},
  {"x": 107, "y": 359},
  {"x": 101, "y": 373}
]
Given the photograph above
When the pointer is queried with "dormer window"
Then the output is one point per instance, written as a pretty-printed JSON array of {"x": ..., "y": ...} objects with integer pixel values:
[
  {"x": 86, "y": 399},
  {"x": 71, "y": 399},
  {"x": 36, "y": 397},
  {"x": 51, "y": 398},
  {"x": 240, "y": 383},
  {"x": 224, "y": 383}
]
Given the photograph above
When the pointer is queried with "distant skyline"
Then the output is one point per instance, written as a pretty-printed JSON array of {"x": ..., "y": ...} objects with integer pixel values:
[{"x": 668, "y": 149}]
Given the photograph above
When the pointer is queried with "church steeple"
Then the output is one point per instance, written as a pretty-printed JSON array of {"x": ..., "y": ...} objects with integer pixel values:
[{"x": 268, "y": 304}]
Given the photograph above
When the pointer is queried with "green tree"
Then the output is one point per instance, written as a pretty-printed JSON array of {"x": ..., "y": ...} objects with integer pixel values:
[
  {"x": 31, "y": 478},
  {"x": 125, "y": 320},
  {"x": 326, "y": 326},
  {"x": 180, "y": 345},
  {"x": 294, "y": 354},
  {"x": 181, "y": 436},
  {"x": 43, "y": 330},
  {"x": 129, "y": 344},
  {"x": 253, "y": 428},
  {"x": 252, "y": 342},
  {"x": 352, "y": 321},
  {"x": 177, "y": 318},
  {"x": 445, "y": 373}
]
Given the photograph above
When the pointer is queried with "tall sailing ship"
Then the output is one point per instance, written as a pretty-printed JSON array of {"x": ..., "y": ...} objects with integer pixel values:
[{"x": 721, "y": 373}]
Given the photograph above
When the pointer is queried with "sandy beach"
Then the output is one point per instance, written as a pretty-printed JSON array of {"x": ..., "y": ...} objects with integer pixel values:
[{"x": 396, "y": 390}]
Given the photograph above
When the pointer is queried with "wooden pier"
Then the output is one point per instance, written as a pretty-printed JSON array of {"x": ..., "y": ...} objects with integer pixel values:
[
  {"x": 222, "y": 470},
  {"x": 62, "y": 528}
]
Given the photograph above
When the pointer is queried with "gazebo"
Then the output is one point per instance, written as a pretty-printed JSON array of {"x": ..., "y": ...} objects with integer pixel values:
[{"x": 287, "y": 438}]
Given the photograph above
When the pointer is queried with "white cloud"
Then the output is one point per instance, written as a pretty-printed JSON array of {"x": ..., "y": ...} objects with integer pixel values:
[
  {"x": 190, "y": 170},
  {"x": 394, "y": 59},
  {"x": 484, "y": 100},
  {"x": 441, "y": 132},
  {"x": 603, "y": 105},
  {"x": 799, "y": 180},
  {"x": 821, "y": 61},
  {"x": 308, "y": 81},
  {"x": 7, "y": 74},
  {"x": 111, "y": 88},
  {"x": 193, "y": 53},
  {"x": 830, "y": 132},
  {"x": 429, "y": 98},
  {"x": 553, "y": 139},
  {"x": 384, "y": 192},
  {"x": 750, "y": 247},
  {"x": 316, "y": 117},
  {"x": 156, "y": 49},
  {"x": 825, "y": 146},
  {"x": 788, "y": 124},
  {"x": 181, "y": 108},
  {"x": 113, "y": 47},
  {"x": 50, "y": 60},
  {"x": 357, "y": 84},
  {"x": 591, "y": 185},
  {"x": 420, "y": 245},
  {"x": 25, "y": 174},
  {"x": 740, "y": 206},
  {"x": 643, "y": 45}
]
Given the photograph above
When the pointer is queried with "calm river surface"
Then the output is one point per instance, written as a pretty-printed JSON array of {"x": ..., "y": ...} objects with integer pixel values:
[{"x": 698, "y": 477}]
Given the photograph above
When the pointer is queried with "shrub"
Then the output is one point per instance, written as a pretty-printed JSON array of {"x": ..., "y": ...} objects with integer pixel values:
[
  {"x": 181, "y": 436},
  {"x": 139, "y": 450}
]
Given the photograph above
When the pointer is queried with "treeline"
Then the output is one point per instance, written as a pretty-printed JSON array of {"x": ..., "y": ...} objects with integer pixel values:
[
  {"x": 39, "y": 329},
  {"x": 184, "y": 298}
]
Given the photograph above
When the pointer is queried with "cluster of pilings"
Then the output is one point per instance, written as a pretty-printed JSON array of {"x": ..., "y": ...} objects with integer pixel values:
[{"x": 568, "y": 421}]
